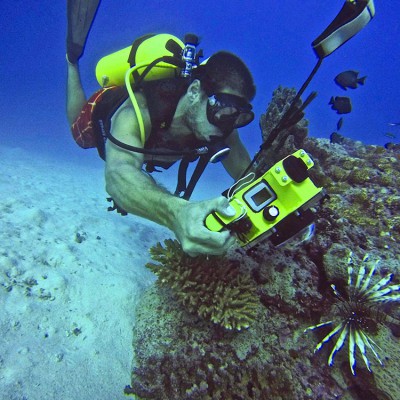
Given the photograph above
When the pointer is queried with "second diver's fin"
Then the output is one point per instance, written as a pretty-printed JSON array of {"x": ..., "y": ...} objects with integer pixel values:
[
  {"x": 80, "y": 14},
  {"x": 353, "y": 16}
]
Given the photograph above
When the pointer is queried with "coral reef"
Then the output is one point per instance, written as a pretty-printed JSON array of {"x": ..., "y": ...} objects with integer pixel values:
[
  {"x": 178, "y": 355},
  {"x": 181, "y": 356},
  {"x": 210, "y": 286},
  {"x": 362, "y": 182}
]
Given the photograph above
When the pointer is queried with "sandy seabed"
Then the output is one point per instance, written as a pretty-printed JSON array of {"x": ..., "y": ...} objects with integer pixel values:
[{"x": 71, "y": 274}]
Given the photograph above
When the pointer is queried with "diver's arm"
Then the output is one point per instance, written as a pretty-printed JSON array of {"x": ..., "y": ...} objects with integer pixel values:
[
  {"x": 131, "y": 188},
  {"x": 137, "y": 193},
  {"x": 238, "y": 159}
]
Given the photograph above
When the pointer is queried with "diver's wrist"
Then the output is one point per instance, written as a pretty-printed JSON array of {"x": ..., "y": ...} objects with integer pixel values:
[{"x": 175, "y": 213}]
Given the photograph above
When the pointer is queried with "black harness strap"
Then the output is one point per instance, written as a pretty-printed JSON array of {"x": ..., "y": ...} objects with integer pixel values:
[{"x": 198, "y": 171}]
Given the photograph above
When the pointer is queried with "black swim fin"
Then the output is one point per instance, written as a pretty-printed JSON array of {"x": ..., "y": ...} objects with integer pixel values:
[
  {"x": 80, "y": 14},
  {"x": 353, "y": 16}
]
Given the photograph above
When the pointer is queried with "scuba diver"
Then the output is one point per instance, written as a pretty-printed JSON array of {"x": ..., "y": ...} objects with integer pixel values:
[
  {"x": 158, "y": 104},
  {"x": 154, "y": 125}
]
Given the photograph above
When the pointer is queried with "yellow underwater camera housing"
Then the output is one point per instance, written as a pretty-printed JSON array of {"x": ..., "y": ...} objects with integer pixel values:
[{"x": 277, "y": 205}]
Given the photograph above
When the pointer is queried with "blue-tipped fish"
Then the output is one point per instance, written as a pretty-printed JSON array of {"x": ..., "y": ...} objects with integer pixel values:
[{"x": 349, "y": 79}]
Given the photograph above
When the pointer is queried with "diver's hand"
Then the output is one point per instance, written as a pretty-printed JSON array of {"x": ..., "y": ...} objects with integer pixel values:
[{"x": 192, "y": 233}]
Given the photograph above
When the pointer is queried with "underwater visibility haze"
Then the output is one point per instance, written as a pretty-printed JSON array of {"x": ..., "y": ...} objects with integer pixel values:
[
  {"x": 273, "y": 38},
  {"x": 312, "y": 319}
]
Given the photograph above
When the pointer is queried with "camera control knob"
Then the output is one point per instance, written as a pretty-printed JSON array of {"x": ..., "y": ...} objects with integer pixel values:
[{"x": 270, "y": 213}]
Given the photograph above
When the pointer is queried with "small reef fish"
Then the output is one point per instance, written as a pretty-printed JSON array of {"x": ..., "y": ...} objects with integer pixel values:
[
  {"x": 394, "y": 123},
  {"x": 336, "y": 138},
  {"x": 392, "y": 146},
  {"x": 339, "y": 124},
  {"x": 342, "y": 105},
  {"x": 390, "y": 135},
  {"x": 349, "y": 79}
]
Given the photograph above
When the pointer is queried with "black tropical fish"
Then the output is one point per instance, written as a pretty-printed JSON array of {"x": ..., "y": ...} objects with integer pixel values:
[
  {"x": 336, "y": 138},
  {"x": 342, "y": 105},
  {"x": 339, "y": 124},
  {"x": 349, "y": 79}
]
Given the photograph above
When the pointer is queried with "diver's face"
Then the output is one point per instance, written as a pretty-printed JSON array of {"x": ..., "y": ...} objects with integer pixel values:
[{"x": 202, "y": 129}]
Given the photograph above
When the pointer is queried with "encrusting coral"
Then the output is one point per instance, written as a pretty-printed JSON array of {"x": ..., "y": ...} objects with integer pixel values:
[{"x": 210, "y": 286}]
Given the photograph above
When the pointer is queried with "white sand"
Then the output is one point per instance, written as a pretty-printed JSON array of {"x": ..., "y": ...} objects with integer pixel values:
[{"x": 67, "y": 308}]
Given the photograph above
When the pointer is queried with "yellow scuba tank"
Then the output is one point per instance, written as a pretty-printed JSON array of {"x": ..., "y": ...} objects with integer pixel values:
[
  {"x": 111, "y": 69},
  {"x": 150, "y": 57}
]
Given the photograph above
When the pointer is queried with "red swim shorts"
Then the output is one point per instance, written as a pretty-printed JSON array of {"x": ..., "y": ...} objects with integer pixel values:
[{"x": 83, "y": 129}]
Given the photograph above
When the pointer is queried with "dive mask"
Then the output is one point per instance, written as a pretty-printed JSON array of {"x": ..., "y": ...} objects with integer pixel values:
[{"x": 227, "y": 111}]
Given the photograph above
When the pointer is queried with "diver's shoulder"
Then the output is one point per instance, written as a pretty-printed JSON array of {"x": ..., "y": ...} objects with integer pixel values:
[
  {"x": 126, "y": 114},
  {"x": 124, "y": 111}
]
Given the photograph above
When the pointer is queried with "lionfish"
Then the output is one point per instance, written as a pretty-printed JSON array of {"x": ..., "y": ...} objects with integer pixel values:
[{"x": 360, "y": 310}]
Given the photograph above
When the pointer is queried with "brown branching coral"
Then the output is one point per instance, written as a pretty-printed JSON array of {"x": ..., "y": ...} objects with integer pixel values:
[{"x": 212, "y": 287}]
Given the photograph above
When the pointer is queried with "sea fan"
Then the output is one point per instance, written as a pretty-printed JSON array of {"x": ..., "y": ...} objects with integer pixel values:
[{"x": 360, "y": 311}]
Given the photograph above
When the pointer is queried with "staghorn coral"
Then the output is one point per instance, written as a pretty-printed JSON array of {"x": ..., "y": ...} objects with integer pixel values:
[{"x": 212, "y": 287}]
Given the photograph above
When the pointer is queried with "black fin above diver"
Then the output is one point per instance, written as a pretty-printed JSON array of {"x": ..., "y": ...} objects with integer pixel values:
[
  {"x": 353, "y": 16},
  {"x": 80, "y": 14}
]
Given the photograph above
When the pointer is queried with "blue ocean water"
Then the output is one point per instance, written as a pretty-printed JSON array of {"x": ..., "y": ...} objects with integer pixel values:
[{"x": 274, "y": 39}]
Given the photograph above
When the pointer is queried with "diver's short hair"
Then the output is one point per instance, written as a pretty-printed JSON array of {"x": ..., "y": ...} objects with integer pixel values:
[{"x": 226, "y": 70}]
